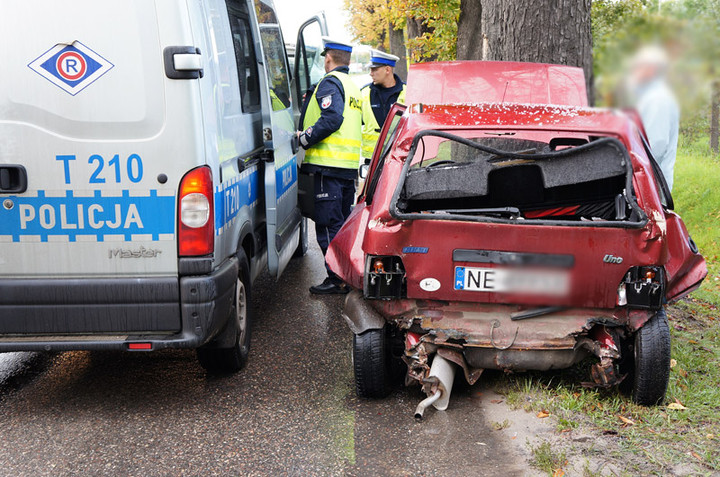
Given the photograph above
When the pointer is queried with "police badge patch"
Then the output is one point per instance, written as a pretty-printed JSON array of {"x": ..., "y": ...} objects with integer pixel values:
[{"x": 325, "y": 102}]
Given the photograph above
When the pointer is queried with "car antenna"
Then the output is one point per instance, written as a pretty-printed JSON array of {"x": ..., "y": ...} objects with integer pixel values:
[{"x": 505, "y": 92}]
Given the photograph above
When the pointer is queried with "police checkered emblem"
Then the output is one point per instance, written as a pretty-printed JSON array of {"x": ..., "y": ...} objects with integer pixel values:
[{"x": 72, "y": 68}]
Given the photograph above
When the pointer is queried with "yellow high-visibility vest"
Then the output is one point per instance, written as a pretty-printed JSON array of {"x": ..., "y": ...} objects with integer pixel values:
[
  {"x": 371, "y": 128},
  {"x": 342, "y": 148}
]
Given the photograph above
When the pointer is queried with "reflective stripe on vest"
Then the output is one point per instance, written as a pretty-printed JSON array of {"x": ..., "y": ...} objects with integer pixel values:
[
  {"x": 342, "y": 148},
  {"x": 371, "y": 128}
]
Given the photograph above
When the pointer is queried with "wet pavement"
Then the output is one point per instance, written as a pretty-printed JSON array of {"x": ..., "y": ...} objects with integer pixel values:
[{"x": 291, "y": 411}]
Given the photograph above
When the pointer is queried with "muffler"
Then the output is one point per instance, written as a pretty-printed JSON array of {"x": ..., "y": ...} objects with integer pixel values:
[{"x": 441, "y": 377}]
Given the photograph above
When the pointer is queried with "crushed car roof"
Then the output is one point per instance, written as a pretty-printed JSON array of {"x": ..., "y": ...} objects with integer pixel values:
[
  {"x": 496, "y": 81},
  {"x": 517, "y": 116}
]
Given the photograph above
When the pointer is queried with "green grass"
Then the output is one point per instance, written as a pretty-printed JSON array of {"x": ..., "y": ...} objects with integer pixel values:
[
  {"x": 696, "y": 193},
  {"x": 658, "y": 438},
  {"x": 547, "y": 459}
]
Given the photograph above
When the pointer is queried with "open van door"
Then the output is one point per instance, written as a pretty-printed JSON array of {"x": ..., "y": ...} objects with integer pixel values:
[
  {"x": 282, "y": 214},
  {"x": 308, "y": 70},
  {"x": 309, "y": 65}
]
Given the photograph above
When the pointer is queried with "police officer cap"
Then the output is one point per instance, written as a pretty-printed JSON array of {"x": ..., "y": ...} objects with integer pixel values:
[
  {"x": 380, "y": 58},
  {"x": 330, "y": 44}
]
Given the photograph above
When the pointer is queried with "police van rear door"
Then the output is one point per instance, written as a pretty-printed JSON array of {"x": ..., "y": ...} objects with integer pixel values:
[
  {"x": 94, "y": 138},
  {"x": 282, "y": 214}
]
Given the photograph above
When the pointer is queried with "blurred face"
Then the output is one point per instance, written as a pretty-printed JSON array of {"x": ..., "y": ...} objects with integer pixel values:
[
  {"x": 381, "y": 75},
  {"x": 644, "y": 72}
]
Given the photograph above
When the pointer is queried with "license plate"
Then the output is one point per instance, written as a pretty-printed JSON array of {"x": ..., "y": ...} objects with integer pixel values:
[{"x": 504, "y": 280}]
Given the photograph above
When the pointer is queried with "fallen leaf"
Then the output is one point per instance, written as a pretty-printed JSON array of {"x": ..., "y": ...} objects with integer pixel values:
[
  {"x": 673, "y": 363},
  {"x": 697, "y": 456},
  {"x": 496, "y": 401},
  {"x": 628, "y": 422},
  {"x": 558, "y": 473},
  {"x": 692, "y": 342},
  {"x": 543, "y": 414},
  {"x": 682, "y": 373},
  {"x": 710, "y": 436},
  {"x": 676, "y": 406}
]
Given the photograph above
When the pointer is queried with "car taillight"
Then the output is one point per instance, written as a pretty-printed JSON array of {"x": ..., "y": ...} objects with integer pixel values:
[
  {"x": 643, "y": 287},
  {"x": 385, "y": 277},
  {"x": 196, "y": 223}
]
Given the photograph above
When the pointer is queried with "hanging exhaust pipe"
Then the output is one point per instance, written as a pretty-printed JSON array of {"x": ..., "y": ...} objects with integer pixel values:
[
  {"x": 425, "y": 403},
  {"x": 442, "y": 372}
]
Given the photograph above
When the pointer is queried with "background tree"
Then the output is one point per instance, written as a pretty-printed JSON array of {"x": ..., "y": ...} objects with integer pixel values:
[
  {"x": 469, "y": 31},
  {"x": 542, "y": 31}
]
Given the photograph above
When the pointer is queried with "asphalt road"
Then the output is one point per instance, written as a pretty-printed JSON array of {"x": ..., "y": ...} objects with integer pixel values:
[{"x": 291, "y": 411}]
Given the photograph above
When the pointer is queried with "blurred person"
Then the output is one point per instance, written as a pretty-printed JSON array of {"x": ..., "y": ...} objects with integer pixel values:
[
  {"x": 332, "y": 139},
  {"x": 386, "y": 89},
  {"x": 657, "y": 106}
]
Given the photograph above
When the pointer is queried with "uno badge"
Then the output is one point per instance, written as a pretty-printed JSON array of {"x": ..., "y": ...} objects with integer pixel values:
[{"x": 71, "y": 67}]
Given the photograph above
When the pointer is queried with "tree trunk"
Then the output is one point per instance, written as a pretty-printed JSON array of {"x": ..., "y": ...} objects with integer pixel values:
[
  {"x": 469, "y": 35},
  {"x": 397, "y": 48},
  {"x": 715, "y": 117},
  {"x": 416, "y": 27},
  {"x": 543, "y": 31}
]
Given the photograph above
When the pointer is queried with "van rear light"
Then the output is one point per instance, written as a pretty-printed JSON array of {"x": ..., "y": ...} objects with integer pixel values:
[
  {"x": 195, "y": 213},
  {"x": 140, "y": 346}
]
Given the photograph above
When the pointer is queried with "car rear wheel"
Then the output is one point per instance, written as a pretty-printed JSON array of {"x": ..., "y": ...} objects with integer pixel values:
[
  {"x": 233, "y": 359},
  {"x": 371, "y": 361},
  {"x": 651, "y": 370}
]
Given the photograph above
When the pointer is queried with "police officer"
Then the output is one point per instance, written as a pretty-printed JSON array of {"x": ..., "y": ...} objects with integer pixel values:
[
  {"x": 332, "y": 138},
  {"x": 386, "y": 88}
]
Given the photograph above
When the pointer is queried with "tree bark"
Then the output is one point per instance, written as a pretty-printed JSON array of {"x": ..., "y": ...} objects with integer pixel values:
[
  {"x": 469, "y": 36},
  {"x": 715, "y": 117},
  {"x": 397, "y": 48},
  {"x": 543, "y": 31}
]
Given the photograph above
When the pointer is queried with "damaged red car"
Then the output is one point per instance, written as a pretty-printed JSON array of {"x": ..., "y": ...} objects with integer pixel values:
[{"x": 505, "y": 225}]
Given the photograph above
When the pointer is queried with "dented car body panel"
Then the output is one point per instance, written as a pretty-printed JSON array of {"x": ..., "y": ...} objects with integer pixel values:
[{"x": 515, "y": 236}]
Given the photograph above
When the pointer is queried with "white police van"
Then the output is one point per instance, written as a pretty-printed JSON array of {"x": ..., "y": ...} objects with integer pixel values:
[{"x": 147, "y": 172}]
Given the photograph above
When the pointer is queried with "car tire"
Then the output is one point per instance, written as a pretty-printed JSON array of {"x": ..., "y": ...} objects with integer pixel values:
[
  {"x": 371, "y": 361},
  {"x": 651, "y": 370},
  {"x": 233, "y": 359}
]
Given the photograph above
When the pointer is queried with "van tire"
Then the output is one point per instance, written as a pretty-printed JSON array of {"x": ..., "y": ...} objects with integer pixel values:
[
  {"x": 651, "y": 370},
  {"x": 232, "y": 360},
  {"x": 371, "y": 362}
]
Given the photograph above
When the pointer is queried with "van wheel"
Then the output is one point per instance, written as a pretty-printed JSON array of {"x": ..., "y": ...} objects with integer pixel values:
[
  {"x": 651, "y": 370},
  {"x": 303, "y": 244},
  {"x": 371, "y": 361},
  {"x": 231, "y": 360}
]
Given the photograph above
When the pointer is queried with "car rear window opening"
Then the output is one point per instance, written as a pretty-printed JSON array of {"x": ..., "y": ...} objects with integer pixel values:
[{"x": 566, "y": 179}]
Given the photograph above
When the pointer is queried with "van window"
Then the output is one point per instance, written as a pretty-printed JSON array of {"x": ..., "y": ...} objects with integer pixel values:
[
  {"x": 274, "y": 51},
  {"x": 276, "y": 67},
  {"x": 245, "y": 59}
]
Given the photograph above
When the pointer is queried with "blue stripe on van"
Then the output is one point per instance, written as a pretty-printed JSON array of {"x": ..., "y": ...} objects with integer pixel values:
[
  {"x": 233, "y": 195},
  {"x": 94, "y": 216},
  {"x": 285, "y": 177}
]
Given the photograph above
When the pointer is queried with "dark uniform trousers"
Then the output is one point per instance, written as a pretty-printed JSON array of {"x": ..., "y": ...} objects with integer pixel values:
[{"x": 333, "y": 202}]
